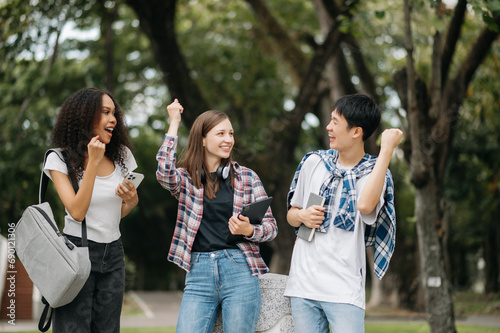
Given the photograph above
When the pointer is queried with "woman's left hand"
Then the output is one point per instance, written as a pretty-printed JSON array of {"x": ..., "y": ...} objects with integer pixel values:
[
  {"x": 129, "y": 196},
  {"x": 240, "y": 225}
]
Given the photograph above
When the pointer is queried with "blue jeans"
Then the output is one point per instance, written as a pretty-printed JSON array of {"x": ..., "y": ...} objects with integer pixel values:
[
  {"x": 98, "y": 306},
  {"x": 313, "y": 317},
  {"x": 219, "y": 279}
]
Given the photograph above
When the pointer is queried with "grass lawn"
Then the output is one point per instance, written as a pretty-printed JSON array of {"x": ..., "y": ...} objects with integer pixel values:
[
  {"x": 129, "y": 330},
  {"x": 423, "y": 328},
  {"x": 465, "y": 304},
  {"x": 370, "y": 328},
  {"x": 469, "y": 303}
]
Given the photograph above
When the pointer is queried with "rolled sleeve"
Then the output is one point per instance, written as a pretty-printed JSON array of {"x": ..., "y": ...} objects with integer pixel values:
[
  {"x": 266, "y": 231},
  {"x": 167, "y": 174},
  {"x": 268, "y": 228}
]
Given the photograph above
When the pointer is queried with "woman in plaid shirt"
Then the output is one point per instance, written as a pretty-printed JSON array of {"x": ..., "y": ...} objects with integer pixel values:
[{"x": 212, "y": 189}]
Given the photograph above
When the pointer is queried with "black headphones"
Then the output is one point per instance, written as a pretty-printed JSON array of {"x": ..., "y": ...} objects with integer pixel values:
[{"x": 222, "y": 173}]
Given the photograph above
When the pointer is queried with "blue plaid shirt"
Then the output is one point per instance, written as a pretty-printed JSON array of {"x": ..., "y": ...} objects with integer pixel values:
[
  {"x": 382, "y": 234},
  {"x": 247, "y": 189}
]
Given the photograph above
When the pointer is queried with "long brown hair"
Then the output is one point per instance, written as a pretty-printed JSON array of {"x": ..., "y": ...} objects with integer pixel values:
[{"x": 193, "y": 156}]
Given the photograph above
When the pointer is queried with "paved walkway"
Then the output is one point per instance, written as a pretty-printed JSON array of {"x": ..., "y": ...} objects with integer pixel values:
[{"x": 160, "y": 309}]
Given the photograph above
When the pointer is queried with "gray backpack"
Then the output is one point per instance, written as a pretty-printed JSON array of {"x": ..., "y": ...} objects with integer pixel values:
[{"x": 57, "y": 267}]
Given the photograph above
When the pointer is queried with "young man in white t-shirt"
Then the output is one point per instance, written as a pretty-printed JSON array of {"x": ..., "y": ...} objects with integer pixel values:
[{"x": 326, "y": 284}]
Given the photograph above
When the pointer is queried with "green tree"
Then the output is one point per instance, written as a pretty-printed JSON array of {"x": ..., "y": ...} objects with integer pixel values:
[
  {"x": 472, "y": 181},
  {"x": 293, "y": 55},
  {"x": 273, "y": 66},
  {"x": 39, "y": 70},
  {"x": 432, "y": 103},
  {"x": 283, "y": 128}
]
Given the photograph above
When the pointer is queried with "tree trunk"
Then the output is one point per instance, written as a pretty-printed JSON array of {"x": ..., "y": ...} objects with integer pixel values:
[
  {"x": 287, "y": 49},
  {"x": 432, "y": 117},
  {"x": 424, "y": 173},
  {"x": 436, "y": 285},
  {"x": 385, "y": 291},
  {"x": 108, "y": 18},
  {"x": 157, "y": 19},
  {"x": 446, "y": 221}
]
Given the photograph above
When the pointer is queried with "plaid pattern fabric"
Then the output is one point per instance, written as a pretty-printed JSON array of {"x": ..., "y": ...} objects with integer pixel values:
[
  {"x": 247, "y": 189},
  {"x": 382, "y": 234}
]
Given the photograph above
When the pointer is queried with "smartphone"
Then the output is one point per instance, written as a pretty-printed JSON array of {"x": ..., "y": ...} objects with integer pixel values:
[{"x": 133, "y": 177}]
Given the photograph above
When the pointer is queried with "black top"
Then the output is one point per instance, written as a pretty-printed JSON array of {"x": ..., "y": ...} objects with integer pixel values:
[{"x": 213, "y": 231}]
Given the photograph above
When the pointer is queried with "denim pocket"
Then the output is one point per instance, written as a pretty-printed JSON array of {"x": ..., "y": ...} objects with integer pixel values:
[
  {"x": 194, "y": 260},
  {"x": 238, "y": 259}
]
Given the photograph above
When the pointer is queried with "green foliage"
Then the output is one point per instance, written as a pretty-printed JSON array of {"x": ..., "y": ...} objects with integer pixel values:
[
  {"x": 487, "y": 9},
  {"x": 471, "y": 183},
  {"x": 147, "y": 230},
  {"x": 230, "y": 57},
  {"x": 380, "y": 14},
  {"x": 219, "y": 44},
  {"x": 24, "y": 139},
  {"x": 233, "y": 61},
  {"x": 381, "y": 40}
]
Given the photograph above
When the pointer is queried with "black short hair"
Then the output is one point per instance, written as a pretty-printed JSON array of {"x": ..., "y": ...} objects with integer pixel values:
[{"x": 359, "y": 110}]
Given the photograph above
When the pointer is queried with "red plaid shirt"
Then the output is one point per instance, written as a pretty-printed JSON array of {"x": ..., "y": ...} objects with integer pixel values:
[{"x": 247, "y": 189}]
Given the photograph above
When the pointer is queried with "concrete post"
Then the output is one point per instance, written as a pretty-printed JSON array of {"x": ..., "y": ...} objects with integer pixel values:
[{"x": 276, "y": 313}]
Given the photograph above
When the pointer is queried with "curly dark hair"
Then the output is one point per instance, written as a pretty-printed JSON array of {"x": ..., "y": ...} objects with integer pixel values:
[{"x": 74, "y": 130}]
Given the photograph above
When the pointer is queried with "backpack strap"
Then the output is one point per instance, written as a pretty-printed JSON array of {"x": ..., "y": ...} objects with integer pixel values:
[
  {"x": 46, "y": 317},
  {"x": 44, "y": 182},
  {"x": 44, "y": 179},
  {"x": 44, "y": 323}
]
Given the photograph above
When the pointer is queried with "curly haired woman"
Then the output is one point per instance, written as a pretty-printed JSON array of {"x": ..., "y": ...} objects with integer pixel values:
[{"x": 90, "y": 130}]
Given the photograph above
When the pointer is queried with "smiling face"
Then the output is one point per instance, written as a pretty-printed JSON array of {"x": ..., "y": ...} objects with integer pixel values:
[
  {"x": 107, "y": 122},
  {"x": 341, "y": 136},
  {"x": 218, "y": 143}
]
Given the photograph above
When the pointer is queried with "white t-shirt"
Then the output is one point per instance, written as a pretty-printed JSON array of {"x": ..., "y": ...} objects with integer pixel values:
[
  {"x": 332, "y": 267},
  {"x": 104, "y": 213}
]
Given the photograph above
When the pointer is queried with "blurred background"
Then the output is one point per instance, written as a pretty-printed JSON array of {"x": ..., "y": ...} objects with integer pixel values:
[{"x": 276, "y": 67}]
